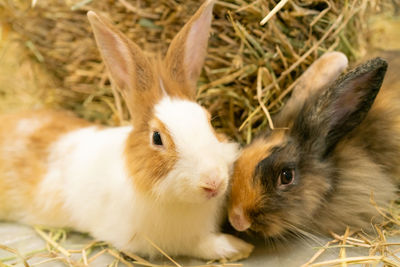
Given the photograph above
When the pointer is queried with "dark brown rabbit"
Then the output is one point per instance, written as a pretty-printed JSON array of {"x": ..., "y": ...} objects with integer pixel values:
[{"x": 341, "y": 146}]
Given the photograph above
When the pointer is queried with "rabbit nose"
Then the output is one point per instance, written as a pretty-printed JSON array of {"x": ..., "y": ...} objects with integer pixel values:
[
  {"x": 211, "y": 188},
  {"x": 238, "y": 220}
]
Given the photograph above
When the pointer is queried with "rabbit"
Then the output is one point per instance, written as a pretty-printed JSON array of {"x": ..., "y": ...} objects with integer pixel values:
[
  {"x": 340, "y": 147},
  {"x": 163, "y": 179}
]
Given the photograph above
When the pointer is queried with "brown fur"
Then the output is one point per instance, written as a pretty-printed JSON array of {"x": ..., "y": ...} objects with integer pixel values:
[
  {"x": 248, "y": 194},
  {"x": 246, "y": 191},
  {"x": 133, "y": 73},
  {"x": 25, "y": 155},
  {"x": 339, "y": 163},
  {"x": 183, "y": 65},
  {"x": 146, "y": 163},
  {"x": 144, "y": 82}
]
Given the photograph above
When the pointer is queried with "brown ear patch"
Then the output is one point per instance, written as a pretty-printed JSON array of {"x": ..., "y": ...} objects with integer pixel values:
[
  {"x": 130, "y": 69},
  {"x": 246, "y": 192},
  {"x": 146, "y": 163},
  {"x": 185, "y": 56}
]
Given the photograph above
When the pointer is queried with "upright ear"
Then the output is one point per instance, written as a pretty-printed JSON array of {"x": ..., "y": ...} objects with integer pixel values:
[
  {"x": 186, "y": 54},
  {"x": 343, "y": 106},
  {"x": 323, "y": 72},
  {"x": 127, "y": 64}
]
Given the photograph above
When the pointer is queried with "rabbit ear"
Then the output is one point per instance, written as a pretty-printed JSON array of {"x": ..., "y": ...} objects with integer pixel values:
[
  {"x": 186, "y": 54},
  {"x": 343, "y": 106},
  {"x": 127, "y": 64},
  {"x": 323, "y": 72}
]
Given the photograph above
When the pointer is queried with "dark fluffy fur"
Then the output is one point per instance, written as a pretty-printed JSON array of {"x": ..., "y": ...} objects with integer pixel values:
[{"x": 343, "y": 146}]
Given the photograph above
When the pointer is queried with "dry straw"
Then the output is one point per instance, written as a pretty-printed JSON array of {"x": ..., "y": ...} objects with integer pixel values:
[
  {"x": 249, "y": 72},
  {"x": 376, "y": 247},
  {"x": 242, "y": 53}
]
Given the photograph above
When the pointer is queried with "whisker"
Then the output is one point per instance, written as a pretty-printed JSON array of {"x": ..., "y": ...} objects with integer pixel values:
[{"x": 303, "y": 234}]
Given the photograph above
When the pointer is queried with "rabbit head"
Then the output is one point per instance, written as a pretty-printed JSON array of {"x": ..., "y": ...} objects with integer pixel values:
[
  {"x": 173, "y": 152},
  {"x": 285, "y": 177}
]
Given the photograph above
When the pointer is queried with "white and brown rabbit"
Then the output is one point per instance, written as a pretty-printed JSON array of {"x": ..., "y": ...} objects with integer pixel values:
[
  {"x": 341, "y": 146},
  {"x": 162, "y": 179}
]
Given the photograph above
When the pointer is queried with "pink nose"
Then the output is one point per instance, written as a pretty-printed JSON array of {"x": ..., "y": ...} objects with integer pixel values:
[
  {"x": 211, "y": 188},
  {"x": 238, "y": 220}
]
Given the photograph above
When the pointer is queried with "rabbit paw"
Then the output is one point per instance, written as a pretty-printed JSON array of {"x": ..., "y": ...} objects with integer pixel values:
[{"x": 223, "y": 247}]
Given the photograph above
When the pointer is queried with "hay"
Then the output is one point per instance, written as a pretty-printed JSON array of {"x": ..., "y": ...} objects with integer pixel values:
[
  {"x": 83, "y": 255},
  {"x": 376, "y": 248},
  {"x": 241, "y": 52},
  {"x": 249, "y": 72},
  {"x": 379, "y": 249}
]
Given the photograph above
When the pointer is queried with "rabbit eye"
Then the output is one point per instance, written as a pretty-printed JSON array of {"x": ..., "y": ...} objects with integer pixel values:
[
  {"x": 157, "y": 139},
  {"x": 286, "y": 177}
]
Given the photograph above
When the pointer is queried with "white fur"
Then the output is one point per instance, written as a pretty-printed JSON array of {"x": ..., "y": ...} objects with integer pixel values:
[
  {"x": 87, "y": 168},
  {"x": 87, "y": 174},
  {"x": 202, "y": 158}
]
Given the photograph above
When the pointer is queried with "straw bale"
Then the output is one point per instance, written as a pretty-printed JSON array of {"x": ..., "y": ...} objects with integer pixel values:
[{"x": 57, "y": 34}]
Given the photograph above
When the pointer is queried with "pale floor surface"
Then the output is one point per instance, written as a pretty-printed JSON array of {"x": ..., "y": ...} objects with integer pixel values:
[{"x": 25, "y": 240}]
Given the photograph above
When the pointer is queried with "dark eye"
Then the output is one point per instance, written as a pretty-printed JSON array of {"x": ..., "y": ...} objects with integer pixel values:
[
  {"x": 157, "y": 139},
  {"x": 287, "y": 176}
]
